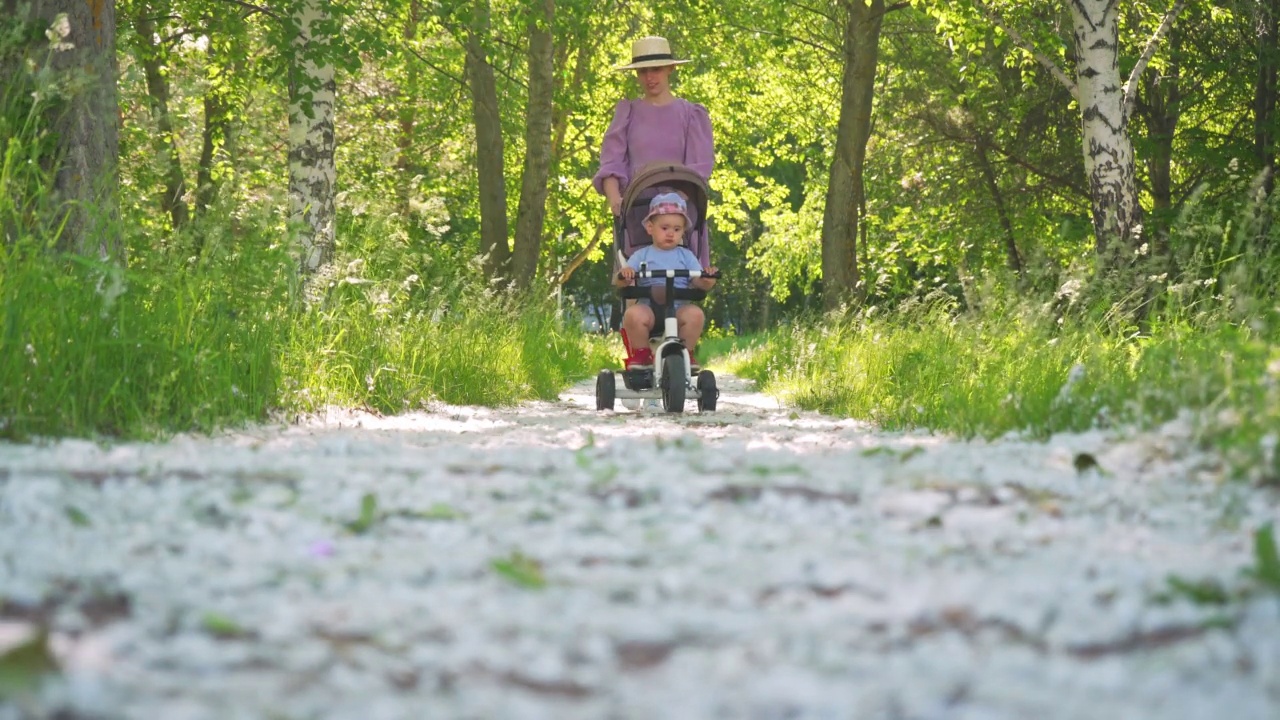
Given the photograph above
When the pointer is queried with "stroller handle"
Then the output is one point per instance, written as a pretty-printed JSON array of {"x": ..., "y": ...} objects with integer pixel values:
[{"x": 675, "y": 274}]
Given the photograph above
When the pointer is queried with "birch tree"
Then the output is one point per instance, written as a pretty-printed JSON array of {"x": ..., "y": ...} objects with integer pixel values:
[
  {"x": 1106, "y": 106},
  {"x": 82, "y": 34},
  {"x": 312, "y": 171}
]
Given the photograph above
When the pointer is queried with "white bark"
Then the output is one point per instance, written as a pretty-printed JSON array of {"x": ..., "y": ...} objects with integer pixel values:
[
  {"x": 1108, "y": 151},
  {"x": 312, "y": 171}
]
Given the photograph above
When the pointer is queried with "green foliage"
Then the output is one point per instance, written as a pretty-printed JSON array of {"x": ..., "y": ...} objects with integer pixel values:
[
  {"x": 1266, "y": 569},
  {"x": 368, "y": 515},
  {"x": 221, "y": 626},
  {"x": 25, "y": 667},
  {"x": 520, "y": 569}
]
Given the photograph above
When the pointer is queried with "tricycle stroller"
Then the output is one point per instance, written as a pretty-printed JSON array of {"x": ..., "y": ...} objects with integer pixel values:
[{"x": 671, "y": 378}]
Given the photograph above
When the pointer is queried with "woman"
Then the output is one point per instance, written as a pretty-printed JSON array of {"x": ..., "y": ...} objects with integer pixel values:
[{"x": 656, "y": 127}]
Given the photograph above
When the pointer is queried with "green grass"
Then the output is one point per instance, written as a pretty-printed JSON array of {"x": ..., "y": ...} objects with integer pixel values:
[
  {"x": 90, "y": 350},
  {"x": 994, "y": 374},
  {"x": 485, "y": 351}
]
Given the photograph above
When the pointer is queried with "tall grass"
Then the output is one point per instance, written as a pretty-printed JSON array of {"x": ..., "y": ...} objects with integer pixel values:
[
  {"x": 390, "y": 356},
  {"x": 990, "y": 376}
]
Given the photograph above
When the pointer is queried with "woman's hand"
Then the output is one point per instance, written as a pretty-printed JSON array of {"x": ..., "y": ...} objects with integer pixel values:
[{"x": 613, "y": 193}]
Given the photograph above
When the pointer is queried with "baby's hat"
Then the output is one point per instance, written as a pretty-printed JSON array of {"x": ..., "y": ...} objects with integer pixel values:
[{"x": 669, "y": 203}]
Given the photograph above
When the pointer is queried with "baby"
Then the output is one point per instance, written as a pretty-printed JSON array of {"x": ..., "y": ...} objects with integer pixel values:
[{"x": 666, "y": 223}]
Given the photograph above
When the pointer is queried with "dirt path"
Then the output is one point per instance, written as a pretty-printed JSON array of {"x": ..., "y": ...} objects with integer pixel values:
[{"x": 550, "y": 561}]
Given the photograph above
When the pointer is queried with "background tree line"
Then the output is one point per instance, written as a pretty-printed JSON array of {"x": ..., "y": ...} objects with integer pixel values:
[{"x": 868, "y": 151}]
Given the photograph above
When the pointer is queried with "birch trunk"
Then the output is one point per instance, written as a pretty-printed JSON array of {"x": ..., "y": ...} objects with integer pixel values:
[
  {"x": 490, "y": 169},
  {"x": 845, "y": 186},
  {"x": 537, "y": 147},
  {"x": 312, "y": 172},
  {"x": 87, "y": 126},
  {"x": 1108, "y": 151}
]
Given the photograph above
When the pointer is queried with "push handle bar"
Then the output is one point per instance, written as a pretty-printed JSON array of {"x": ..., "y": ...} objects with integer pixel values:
[{"x": 674, "y": 274}]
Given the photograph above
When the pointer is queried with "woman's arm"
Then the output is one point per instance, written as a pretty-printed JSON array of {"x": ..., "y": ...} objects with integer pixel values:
[
  {"x": 614, "y": 169},
  {"x": 699, "y": 145}
]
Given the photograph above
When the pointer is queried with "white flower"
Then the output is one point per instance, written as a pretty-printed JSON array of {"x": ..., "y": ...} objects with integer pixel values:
[
  {"x": 1070, "y": 288},
  {"x": 58, "y": 32}
]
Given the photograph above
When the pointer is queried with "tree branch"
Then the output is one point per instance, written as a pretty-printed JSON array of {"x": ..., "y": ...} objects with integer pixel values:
[
  {"x": 433, "y": 66},
  {"x": 1131, "y": 85},
  {"x": 890, "y": 8},
  {"x": 815, "y": 45},
  {"x": 1040, "y": 57},
  {"x": 256, "y": 9},
  {"x": 581, "y": 257}
]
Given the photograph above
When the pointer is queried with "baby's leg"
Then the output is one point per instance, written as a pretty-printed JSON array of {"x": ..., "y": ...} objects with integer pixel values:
[
  {"x": 637, "y": 323},
  {"x": 689, "y": 322}
]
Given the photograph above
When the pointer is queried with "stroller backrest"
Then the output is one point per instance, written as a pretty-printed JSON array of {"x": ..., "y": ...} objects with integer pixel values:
[{"x": 654, "y": 179}]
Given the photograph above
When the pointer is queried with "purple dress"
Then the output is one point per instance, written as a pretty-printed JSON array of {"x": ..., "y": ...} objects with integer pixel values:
[{"x": 641, "y": 133}]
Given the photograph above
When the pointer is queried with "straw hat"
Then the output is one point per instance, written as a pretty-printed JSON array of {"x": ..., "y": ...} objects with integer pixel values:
[{"x": 651, "y": 51}]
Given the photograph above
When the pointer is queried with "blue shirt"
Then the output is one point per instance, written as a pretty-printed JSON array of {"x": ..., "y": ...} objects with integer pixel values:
[{"x": 677, "y": 258}]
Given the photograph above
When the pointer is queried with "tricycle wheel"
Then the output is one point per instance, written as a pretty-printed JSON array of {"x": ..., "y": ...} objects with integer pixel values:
[
  {"x": 605, "y": 390},
  {"x": 707, "y": 391},
  {"x": 673, "y": 383}
]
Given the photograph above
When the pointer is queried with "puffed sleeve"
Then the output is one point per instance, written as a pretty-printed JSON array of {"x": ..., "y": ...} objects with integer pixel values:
[
  {"x": 613, "y": 151},
  {"x": 699, "y": 148}
]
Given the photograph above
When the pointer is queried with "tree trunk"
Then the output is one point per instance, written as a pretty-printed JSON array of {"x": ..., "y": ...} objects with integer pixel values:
[
  {"x": 1160, "y": 106},
  {"x": 87, "y": 127},
  {"x": 218, "y": 134},
  {"x": 537, "y": 147},
  {"x": 845, "y": 186},
  {"x": 151, "y": 55},
  {"x": 490, "y": 171},
  {"x": 982, "y": 144},
  {"x": 212, "y": 136},
  {"x": 1108, "y": 150},
  {"x": 1264, "y": 93},
  {"x": 407, "y": 114},
  {"x": 312, "y": 172}
]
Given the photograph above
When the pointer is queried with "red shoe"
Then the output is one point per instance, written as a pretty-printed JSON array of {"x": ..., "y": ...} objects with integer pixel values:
[{"x": 641, "y": 359}]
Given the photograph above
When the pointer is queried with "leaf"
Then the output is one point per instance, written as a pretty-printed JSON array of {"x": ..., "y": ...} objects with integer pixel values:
[
  {"x": 438, "y": 511},
  {"x": 1200, "y": 592},
  {"x": 77, "y": 516},
  {"x": 220, "y": 625},
  {"x": 24, "y": 666},
  {"x": 1267, "y": 570},
  {"x": 368, "y": 515},
  {"x": 521, "y": 570},
  {"x": 1084, "y": 462}
]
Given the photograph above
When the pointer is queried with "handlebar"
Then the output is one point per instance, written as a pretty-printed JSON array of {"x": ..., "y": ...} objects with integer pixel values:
[{"x": 674, "y": 274}]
